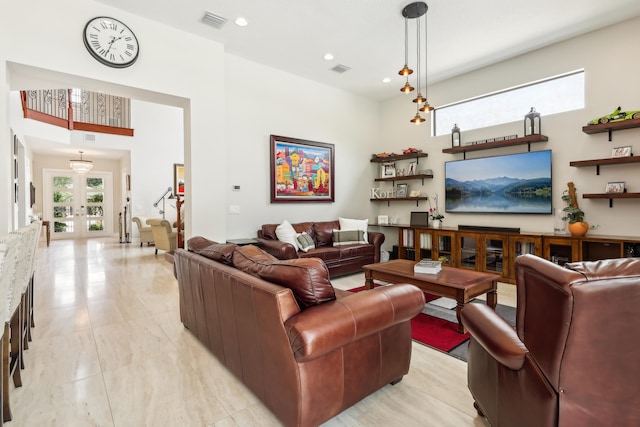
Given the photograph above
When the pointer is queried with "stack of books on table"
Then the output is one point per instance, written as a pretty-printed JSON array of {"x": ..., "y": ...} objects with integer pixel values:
[{"x": 427, "y": 266}]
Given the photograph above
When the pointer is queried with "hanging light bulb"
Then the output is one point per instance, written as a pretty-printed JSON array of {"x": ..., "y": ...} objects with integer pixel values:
[
  {"x": 426, "y": 107},
  {"x": 407, "y": 87},
  {"x": 417, "y": 119}
]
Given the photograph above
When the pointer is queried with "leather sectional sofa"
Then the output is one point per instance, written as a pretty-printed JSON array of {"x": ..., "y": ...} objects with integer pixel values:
[
  {"x": 305, "y": 350},
  {"x": 340, "y": 260}
]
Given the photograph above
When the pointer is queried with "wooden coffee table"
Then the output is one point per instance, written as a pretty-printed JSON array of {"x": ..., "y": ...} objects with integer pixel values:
[{"x": 456, "y": 283}]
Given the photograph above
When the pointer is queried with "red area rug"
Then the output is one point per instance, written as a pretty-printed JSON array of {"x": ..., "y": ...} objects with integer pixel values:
[{"x": 432, "y": 331}]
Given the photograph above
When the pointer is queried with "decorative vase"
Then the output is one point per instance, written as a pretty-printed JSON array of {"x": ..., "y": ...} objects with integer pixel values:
[
  {"x": 578, "y": 228},
  {"x": 437, "y": 224}
]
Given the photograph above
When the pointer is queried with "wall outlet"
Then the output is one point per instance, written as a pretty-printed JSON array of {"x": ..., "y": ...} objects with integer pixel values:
[{"x": 234, "y": 209}]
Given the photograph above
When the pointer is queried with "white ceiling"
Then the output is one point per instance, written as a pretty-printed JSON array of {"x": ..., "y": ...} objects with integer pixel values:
[{"x": 368, "y": 35}]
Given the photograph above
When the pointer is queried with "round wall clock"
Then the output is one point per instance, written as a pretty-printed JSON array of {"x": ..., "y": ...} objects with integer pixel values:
[{"x": 111, "y": 42}]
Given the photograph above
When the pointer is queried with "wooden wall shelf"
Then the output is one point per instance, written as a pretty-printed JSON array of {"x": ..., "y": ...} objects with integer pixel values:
[
  {"x": 399, "y": 199},
  {"x": 497, "y": 144},
  {"x": 611, "y": 161},
  {"x": 406, "y": 177},
  {"x": 398, "y": 157},
  {"x": 609, "y": 127},
  {"x": 611, "y": 196}
]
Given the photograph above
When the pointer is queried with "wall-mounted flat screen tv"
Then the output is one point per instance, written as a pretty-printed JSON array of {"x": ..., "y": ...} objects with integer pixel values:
[{"x": 513, "y": 184}]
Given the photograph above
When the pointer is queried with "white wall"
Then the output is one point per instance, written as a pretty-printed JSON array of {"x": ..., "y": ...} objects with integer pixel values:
[
  {"x": 262, "y": 101},
  {"x": 608, "y": 83}
]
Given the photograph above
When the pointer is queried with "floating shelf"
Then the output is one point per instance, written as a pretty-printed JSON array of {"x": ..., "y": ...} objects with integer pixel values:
[
  {"x": 611, "y": 196},
  {"x": 406, "y": 177},
  {"x": 610, "y": 161},
  {"x": 399, "y": 199},
  {"x": 398, "y": 157},
  {"x": 609, "y": 127},
  {"x": 497, "y": 144}
]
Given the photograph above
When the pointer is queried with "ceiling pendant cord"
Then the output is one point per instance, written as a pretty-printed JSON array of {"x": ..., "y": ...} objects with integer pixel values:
[
  {"x": 418, "y": 100},
  {"x": 426, "y": 107}
]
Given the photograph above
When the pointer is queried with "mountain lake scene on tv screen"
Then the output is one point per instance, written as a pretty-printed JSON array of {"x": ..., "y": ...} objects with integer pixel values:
[{"x": 517, "y": 183}]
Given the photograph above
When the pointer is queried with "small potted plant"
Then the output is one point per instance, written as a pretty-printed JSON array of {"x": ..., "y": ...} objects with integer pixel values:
[
  {"x": 573, "y": 214},
  {"x": 434, "y": 213}
]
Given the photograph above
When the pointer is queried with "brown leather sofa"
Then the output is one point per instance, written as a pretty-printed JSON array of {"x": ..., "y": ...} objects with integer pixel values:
[
  {"x": 340, "y": 260},
  {"x": 572, "y": 359},
  {"x": 306, "y": 351}
]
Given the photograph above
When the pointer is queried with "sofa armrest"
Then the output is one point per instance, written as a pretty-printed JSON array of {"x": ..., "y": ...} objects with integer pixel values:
[
  {"x": 278, "y": 249},
  {"x": 376, "y": 239},
  {"x": 494, "y": 334},
  {"x": 323, "y": 328}
]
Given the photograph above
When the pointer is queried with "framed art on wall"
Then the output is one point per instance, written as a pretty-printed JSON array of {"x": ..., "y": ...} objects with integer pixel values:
[
  {"x": 178, "y": 179},
  {"x": 301, "y": 170}
]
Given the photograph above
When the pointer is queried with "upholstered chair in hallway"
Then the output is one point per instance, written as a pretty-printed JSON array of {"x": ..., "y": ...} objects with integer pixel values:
[
  {"x": 164, "y": 236},
  {"x": 146, "y": 235},
  {"x": 572, "y": 359}
]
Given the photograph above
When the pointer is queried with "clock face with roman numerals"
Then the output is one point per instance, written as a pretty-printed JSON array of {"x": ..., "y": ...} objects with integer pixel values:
[{"x": 111, "y": 42}]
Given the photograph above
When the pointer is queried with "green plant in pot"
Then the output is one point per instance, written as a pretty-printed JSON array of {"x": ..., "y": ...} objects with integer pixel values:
[{"x": 573, "y": 214}]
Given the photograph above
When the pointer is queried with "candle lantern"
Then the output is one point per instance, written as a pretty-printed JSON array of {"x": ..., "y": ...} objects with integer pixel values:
[
  {"x": 455, "y": 136},
  {"x": 532, "y": 123}
]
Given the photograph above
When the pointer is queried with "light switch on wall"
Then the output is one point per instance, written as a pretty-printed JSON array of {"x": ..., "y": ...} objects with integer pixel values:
[{"x": 234, "y": 209}]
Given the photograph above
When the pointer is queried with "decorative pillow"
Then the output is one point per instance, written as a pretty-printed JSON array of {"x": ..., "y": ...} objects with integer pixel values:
[
  {"x": 305, "y": 242},
  {"x": 286, "y": 233},
  {"x": 308, "y": 278},
  {"x": 348, "y": 237},
  {"x": 221, "y": 252},
  {"x": 355, "y": 224}
]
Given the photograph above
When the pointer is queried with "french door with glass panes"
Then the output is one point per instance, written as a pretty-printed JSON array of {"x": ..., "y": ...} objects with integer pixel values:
[{"x": 78, "y": 205}]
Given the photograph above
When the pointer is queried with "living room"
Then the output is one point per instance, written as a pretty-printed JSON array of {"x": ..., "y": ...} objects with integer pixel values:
[{"x": 221, "y": 150}]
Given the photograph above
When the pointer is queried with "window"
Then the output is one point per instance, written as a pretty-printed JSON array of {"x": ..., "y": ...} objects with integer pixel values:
[{"x": 549, "y": 96}]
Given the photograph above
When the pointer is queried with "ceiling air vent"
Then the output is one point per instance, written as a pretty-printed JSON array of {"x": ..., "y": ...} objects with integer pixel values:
[
  {"x": 89, "y": 137},
  {"x": 340, "y": 68},
  {"x": 214, "y": 20}
]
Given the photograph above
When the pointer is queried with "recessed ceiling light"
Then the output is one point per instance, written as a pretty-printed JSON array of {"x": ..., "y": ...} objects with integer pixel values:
[
  {"x": 241, "y": 22},
  {"x": 386, "y": 80},
  {"x": 328, "y": 56}
]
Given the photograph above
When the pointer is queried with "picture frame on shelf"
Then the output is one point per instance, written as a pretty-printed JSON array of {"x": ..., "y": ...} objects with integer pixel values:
[
  {"x": 615, "y": 187},
  {"x": 388, "y": 170},
  {"x": 621, "y": 152},
  {"x": 412, "y": 168},
  {"x": 401, "y": 190},
  {"x": 383, "y": 219}
]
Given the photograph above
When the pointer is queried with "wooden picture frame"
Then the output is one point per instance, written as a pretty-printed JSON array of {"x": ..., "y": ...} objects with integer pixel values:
[
  {"x": 178, "y": 179},
  {"x": 615, "y": 187},
  {"x": 301, "y": 170},
  {"x": 621, "y": 152}
]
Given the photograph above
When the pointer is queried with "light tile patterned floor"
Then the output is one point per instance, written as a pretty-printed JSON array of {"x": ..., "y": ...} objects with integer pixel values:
[{"x": 108, "y": 349}]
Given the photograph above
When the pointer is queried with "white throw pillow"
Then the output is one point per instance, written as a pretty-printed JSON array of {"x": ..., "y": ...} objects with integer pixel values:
[
  {"x": 305, "y": 242},
  {"x": 287, "y": 234},
  {"x": 355, "y": 224}
]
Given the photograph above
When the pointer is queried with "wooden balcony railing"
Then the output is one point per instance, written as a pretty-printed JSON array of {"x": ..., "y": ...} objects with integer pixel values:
[{"x": 93, "y": 112}]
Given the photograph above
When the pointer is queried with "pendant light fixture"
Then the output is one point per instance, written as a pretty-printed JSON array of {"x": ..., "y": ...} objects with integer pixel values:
[
  {"x": 81, "y": 166},
  {"x": 415, "y": 11}
]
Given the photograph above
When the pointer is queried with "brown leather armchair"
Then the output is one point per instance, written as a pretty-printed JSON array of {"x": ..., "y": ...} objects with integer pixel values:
[{"x": 572, "y": 359}]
